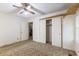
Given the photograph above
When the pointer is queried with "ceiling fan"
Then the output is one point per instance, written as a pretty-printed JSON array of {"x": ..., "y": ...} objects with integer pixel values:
[{"x": 25, "y": 7}]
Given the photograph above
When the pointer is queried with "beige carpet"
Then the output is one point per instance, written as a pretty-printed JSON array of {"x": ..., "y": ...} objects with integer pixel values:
[{"x": 30, "y": 48}]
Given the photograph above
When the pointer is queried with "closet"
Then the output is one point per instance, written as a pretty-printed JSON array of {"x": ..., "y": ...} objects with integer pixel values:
[{"x": 49, "y": 31}]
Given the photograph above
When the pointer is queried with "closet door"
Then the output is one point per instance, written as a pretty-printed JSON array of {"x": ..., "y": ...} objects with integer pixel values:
[
  {"x": 42, "y": 31},
  {"x": 77, "y": 35},
  {"x": 56, "y": 31},
  {"x": 68, "y": 32}
]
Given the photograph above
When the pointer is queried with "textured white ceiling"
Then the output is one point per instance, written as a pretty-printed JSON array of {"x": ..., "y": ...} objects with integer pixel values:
[{"x": 44, "y": 7}]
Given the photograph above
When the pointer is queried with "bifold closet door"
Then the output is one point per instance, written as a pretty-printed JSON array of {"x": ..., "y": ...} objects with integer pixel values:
[
  {"x": 39, "y": 30},
  {"x": 68, "y": 32},
  {"x": 56, "y": 31},
  {"x": 42, "y": 31},
  {"x": 77, "y": 33}
]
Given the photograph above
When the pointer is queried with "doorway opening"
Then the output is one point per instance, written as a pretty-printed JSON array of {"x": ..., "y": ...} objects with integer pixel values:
[
  {"x": 49, "y": 31},
  {"x": 30, "y": 30}
]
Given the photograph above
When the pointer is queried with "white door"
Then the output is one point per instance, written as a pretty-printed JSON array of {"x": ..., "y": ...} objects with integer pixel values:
[
  {"x": 68, "y": 32},
  {"x": 24, "y": 31},
  {"x": 77, "y": 35},
  {"x": 42, "y": 31},
  {"x": 56, "y": 31}
]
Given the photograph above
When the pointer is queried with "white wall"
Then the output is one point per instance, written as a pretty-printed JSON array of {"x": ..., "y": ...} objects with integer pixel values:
[{"x": 10, "y": 29}]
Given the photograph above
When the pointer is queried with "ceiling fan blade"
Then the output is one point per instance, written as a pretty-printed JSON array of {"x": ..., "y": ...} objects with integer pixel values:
[
  {"x": 37, "y": 10},
  {"x": 16, "y": 6},
  {"x": 16, "y": 10},
  {"x": 29, "y": 11},
  {"x": 21, "y": 12}
]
